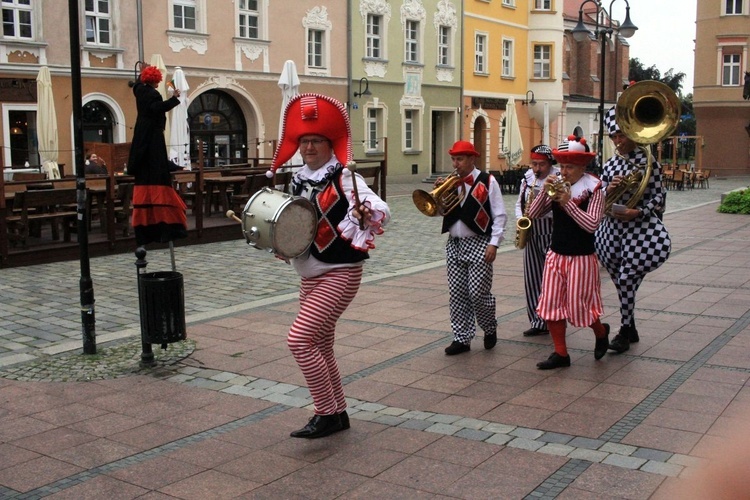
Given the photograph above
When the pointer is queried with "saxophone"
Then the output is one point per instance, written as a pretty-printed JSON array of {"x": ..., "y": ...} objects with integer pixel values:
[{"x": 523, "y": 224}]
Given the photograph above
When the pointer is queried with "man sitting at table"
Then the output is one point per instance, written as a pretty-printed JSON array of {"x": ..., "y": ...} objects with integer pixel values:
[{"x": 95, "y": 165}]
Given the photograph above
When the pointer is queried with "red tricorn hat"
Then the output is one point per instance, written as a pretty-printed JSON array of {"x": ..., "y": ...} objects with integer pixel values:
[
  {"x": 317, "y": 114},
  {"x": 463, "y": 148},
  {"x": 574, "y": 151}
]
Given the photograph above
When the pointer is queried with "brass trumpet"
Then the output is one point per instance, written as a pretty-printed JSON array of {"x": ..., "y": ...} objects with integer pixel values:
[
  {"x": 558, "y": 187},
  {"x": 441, "y": 200}
]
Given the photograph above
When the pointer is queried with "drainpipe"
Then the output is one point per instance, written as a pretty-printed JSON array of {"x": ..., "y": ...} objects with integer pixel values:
[
  {"x": 139, "y": 15},
  {"x": 349, "y": 58}
]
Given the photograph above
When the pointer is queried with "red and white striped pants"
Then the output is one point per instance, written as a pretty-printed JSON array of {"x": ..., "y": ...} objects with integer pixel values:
[
  {"x": 571, "y": 289},
  {"x": 323, "y": 300}
]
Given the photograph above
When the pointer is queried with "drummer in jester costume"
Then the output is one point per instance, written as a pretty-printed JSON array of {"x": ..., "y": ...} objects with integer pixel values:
[
  {"x": 634, "y": 242},
  {"x": 331, "y": 271}
]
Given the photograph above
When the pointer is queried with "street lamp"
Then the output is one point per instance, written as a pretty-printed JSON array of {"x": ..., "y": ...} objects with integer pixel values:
[
  {"x": 602, "y": 31},
  {"x": 365, "y": 92},
  {"x": 527, "y": 101}
]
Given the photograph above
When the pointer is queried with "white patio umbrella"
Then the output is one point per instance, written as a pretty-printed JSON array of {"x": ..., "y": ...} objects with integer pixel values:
[
  {"x": 289, "y": 84},
  {"x": 46, "y": 123},
  {"x": 156, "y": 60},
  {"x": 513, "y": 142},
  {"x": 179, "y": 137}
]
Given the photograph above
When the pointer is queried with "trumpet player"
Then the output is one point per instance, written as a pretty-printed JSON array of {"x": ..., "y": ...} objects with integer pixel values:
[
  {"x": 571, "y": 289},
  {"x": 475, "y": 229},
  {"x": 631, "y": 242},
  {"x": 540, "y": 234}
]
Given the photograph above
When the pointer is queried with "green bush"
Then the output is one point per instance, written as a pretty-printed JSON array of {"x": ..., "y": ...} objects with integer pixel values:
[{"x": 736, "y": 202}]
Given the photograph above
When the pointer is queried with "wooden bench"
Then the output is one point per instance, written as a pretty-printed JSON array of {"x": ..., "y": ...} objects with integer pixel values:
[{"x": 38, "y": 207}]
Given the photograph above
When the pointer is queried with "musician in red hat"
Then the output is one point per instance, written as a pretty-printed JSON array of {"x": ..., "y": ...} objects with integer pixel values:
[
  {"x": 349, "y": 216},
  {"x": 475, "y": 229},
  {"x": 571, "y": 289}
]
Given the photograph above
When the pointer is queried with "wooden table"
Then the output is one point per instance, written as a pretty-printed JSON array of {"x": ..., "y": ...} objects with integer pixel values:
[{"x": 220, "y": 185}]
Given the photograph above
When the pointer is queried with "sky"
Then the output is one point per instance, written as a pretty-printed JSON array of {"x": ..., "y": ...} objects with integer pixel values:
[{"x": 665, "y": 36}]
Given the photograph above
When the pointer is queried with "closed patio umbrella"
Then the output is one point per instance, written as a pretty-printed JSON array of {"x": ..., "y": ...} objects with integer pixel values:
[
  {"x": 289, "y": 84},
  {"x": 179, "y": 137},
  {"x": 513, "y": 147},
  {"x": 158, "y": 61},
  {"x": 47, "y": 124}
]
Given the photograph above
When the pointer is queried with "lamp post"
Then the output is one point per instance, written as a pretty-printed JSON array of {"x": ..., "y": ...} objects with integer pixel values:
[
  {"x": 602, "y": 32},
  {"x": 365, "y": 92}
]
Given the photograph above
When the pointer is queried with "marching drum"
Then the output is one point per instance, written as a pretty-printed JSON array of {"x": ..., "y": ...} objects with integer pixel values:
[{"x": 279, "y": 222}]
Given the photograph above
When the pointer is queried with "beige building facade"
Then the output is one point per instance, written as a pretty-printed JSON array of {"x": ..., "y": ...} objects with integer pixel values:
[
  {"x": 722, "y": 48},
  {"x": 231, "y": 51}
]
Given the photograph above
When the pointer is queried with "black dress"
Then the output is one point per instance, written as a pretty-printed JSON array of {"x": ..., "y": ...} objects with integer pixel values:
[{"x": 158, "y": 211}]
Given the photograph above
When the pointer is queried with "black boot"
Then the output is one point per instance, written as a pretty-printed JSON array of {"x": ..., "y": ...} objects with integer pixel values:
[
  {"x": 554, "y": 361},
  {"x": 344, "y": 420},
  {"x": 621, "y": 342},
  {"x": 633, "y": 335},
  {"x": 319, "y": 426},
  {"x": 600, "y": 348}
]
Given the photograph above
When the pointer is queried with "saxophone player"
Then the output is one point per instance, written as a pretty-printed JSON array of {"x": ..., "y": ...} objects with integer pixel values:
[
  {"x": 539, "y": 234},
  {"x": 630, "y": 242}
]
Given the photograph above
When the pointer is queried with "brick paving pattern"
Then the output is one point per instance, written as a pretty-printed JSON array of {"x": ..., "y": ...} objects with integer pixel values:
[{"x": 213, "y": 418}]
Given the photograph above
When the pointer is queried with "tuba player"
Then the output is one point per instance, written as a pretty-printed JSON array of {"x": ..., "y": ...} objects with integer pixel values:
[{"x": 630, "y": 242}]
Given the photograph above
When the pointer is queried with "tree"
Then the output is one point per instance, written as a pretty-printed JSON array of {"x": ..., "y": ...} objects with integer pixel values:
[{"x": 639, "y": 72}]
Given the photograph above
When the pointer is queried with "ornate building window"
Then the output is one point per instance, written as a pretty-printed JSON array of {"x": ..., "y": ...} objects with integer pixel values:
[
  {"x": 318, "y": 37},
  {"x": 248, "y": 19},
  {"x": 184, "y": 15},
  {"x": 446, "y": 26},
  {"x": 376, "y": 16},
  {"x": 187, "y": 25},
  {"x": 413, "y": 15},
  {"x": 98, "y": 22}
]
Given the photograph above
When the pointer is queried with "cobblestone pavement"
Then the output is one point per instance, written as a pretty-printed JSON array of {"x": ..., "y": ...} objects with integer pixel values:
[
  {"x": 212, "y": 419},
  {"x": 40, "y": 311}
]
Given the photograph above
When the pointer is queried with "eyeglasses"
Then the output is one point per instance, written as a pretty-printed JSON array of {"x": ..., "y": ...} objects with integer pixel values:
[{"x": 315, "y": 142}]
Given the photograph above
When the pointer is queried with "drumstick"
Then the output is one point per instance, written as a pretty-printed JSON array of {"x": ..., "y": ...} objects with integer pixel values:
[
  {"x": 353, "y": 168},
  {"x": 231, "y": 215}
]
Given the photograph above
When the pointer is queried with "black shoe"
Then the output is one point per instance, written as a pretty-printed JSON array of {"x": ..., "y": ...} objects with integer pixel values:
[
  {"x": 554, "y": 361},
  {"x": 620, "y": 343},
  {"x": 319, "y": 426},
  {"x": 344, "y": 417},
  {"x": 456, "y": 347},
  {"x": 535, "y": 332},
  {"x": 633, "y": 336},
  {"x": 490, "y": 341},
  {"x": 602, "y": 344}
]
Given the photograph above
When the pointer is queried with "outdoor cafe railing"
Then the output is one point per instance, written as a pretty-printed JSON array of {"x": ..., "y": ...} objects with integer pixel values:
[{"x": 103, "y": 194}]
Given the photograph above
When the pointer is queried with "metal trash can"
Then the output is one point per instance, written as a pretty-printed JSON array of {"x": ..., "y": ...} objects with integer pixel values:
[{"x": 162, "y": 297}]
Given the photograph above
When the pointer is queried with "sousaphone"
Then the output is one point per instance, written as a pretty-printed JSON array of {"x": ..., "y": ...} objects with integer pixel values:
[{"x": 646, "y": 112}]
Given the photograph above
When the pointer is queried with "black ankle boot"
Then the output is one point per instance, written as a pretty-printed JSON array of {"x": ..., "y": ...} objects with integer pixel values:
[
  {"x": 602, "y": 344},
  {"x": 319, "y": 426},
  {"x": 344, "y": 420},
  {"x": 621, "y": 342}
]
